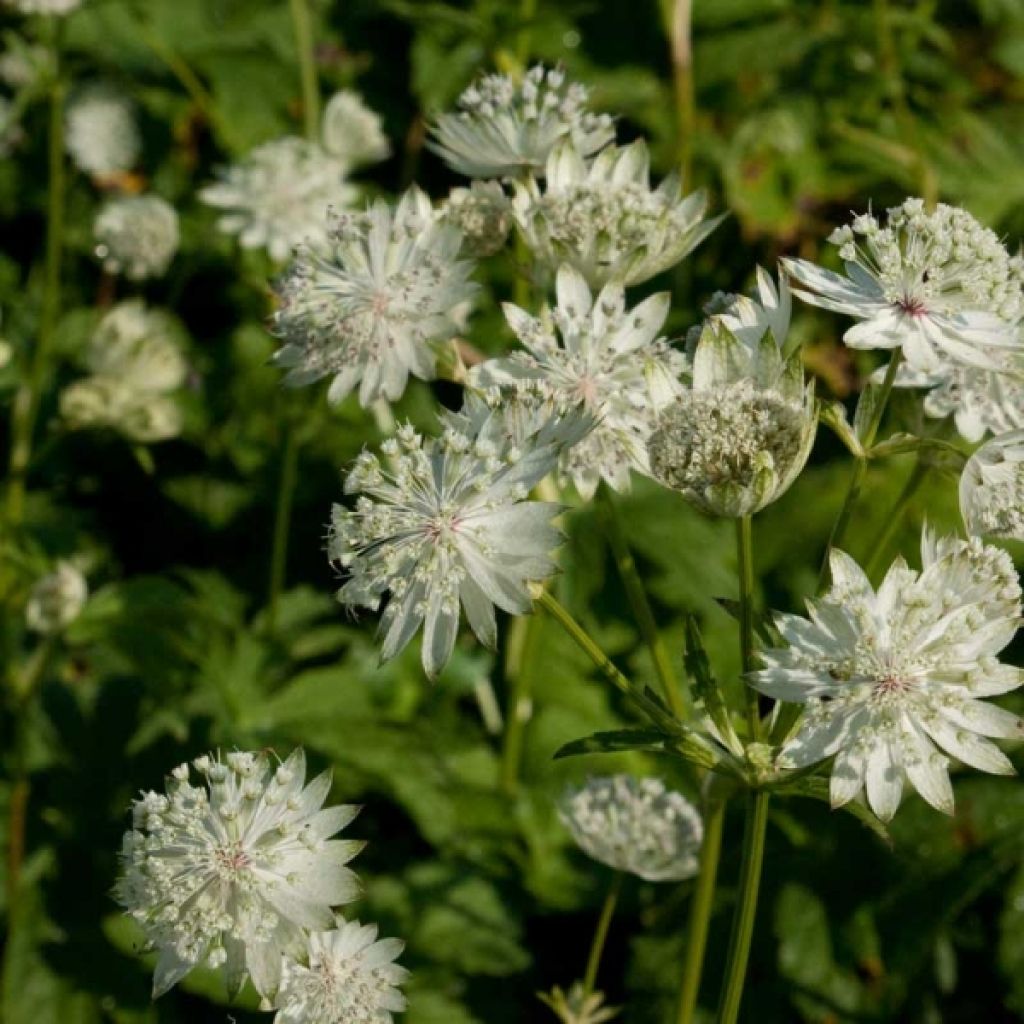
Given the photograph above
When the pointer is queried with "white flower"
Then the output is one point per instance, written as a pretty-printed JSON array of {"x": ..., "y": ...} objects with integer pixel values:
[
  {"x": 605, "y": 220},
  {"x": 54, "y": 7},
  {"x": 233, "y": 873},
  {"x": 278, "y": 196},
  {"x": 635, "y": 825},
  {"x": 891, "y": 679},
  {"x": 992, "y": 488},
  {"x": 739, "y": 437},
  {"x": 102, "y": 136},
  {"x": 578, "y": 1005},
  {"x": 136, "y": 236},
  {"x": 505, "y": 129},
  {"x": 483, "y": 214},
  {"x": 348, "y": 976},
  {"x": 938, "y": 285},
  {"x": 135, "y": 361},
  {"x": 352, "y": 132},
  {"x": 24, "y": 64},
  {"x": 447, "y": 521},
  {"x": 56, "y": 600},
  {"x": 597, "y": 355},
  {"x": 369, "y": 313}
]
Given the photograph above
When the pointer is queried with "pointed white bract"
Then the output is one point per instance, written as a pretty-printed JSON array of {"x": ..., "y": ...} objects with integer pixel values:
[
  {"x": 635, "y": 825},
  {"x": 937, "y": 285},
  {"x": 232, "y": 873},
  {"x": 56, "y": 600},
  {"x": 352, "y": 132},
  {"x": 136, "y": 236},
  {"x": 992, "y": 488},
  {"x": 101, "y": 134},
  {"x": 505, "y": 128},
  {"x": 595, "y": 354},
  {"x": 347, "y": 976},
  {"x": 892, "y": 679},
  {"x": 738, "y": 438},
  {"x": 604, "y": 218},
  {"x": 483, "y": 214},
  {"x": 371, "y": 311},
  {"x": 445, "y": 522}
]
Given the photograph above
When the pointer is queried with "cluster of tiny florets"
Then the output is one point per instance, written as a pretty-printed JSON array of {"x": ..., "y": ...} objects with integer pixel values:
[
  {"x": 56, "y": 599},
  {"x": 136, "y": 236},
  {"x": 352, "y": 132},
  {"x": 992, "y": 488},
  {"x": 101, "y": 133},
  {"x": 483, "y": 214}
]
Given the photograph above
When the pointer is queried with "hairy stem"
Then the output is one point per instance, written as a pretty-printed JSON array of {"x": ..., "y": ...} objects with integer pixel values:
[
  {"x": 303, "y": 25},
  {"x": 895, "y": 518},
  {"x": 601, "y": 933}
]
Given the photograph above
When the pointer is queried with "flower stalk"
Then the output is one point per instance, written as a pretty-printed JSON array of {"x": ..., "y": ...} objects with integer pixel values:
[
  {"x": 601, "y": 932},
  {"x": 745, "y": 559}
]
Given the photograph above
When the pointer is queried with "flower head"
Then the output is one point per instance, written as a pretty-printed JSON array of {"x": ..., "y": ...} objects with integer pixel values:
[
  {"x": 507, "y": 129},
  {"x": 56, "y": 600},
  {"x": 278, "y": 196},
  {"x": 446, "y": 521},
  {"x": 101, "y": 134},
  {"x": 483, "y": 214},
  {"x": 136, "y": 236},
  {"x": 605, "y": 220},
  {"x": 938, "y": 285},
  {"x": 348, "y": 976},
  {"x": 595, "y": 354},
  {"x": 352, "y": 132},
  {"x": 992, "y": 488},
  {"x": 578, "y": 1005},
  {"x": 635, "y": 825},
  {"x": 891, "y": 679},
  {"x": 232, "y": 872},
  {"x": 53, "y": 7},
  {"x": 369, "y": 313}
]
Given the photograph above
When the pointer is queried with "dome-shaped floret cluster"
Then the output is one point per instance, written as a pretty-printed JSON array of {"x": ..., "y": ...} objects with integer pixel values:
[
  {"x": 56, "y": 600},
  {"x": 136, "y": 236},
  {"x": 483, "y": 214},
  {"x": 233, "y": 872},
  {"x": 446, "y": 521},
  {"x": 369, "y": 313},
  {"x": 596, "y": 355},
  {"x": 605, "y": 220},
  {"x": 892, "y": 679},
  {"x": 348, "y": 976},
  {"x": 992, "y": 488},
  {"x": 635, "y": 825},
  {"x": 135, "y": 363},
  {"x": 939, "y": 285},
  {"x": 101, "y": 133},
  {"x": 507, "y": 128},
  {"x": 352, "y": 132}
]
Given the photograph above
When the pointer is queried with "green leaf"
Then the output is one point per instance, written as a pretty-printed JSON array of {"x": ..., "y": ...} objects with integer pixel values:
[{"x": 617, "y": 740}]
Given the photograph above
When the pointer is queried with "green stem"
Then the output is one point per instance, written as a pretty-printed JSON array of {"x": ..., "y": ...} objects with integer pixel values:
[
  {"x": 527, "y": 12},
  {"x": 860, "y": 468},
  {"x": 601, "y": 933},
  {"x": 282, "y": 521},
  {"x": 611, "y": 516},
  {"x": 303, "y": 24},
  {"x": 746, "y": 907},
  {"x": 895, "y": 518},
  {"x": 679, "y": 25},
  {"x": 700, "y": 910},
  {"x": 745, "y": 557},
  {"x": 523, "y": 645}
]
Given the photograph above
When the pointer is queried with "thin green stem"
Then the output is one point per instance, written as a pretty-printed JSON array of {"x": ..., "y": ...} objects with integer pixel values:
[
  {"x": 679, "y": 26},
  {"x": 895, "y": 517},
  {"x": 601, "y": 933},
  {"x": 611, "y": 516},
  {"x": 523, "y": 646},
  {"x": 527, "y": 12},
  {"x": 282, "y": 521},
  {"x": 745, "y": 558},
  {"x": 746, "y": 907},
  {"x": 701, "y": 906},
  {"x": 303, "y": 25}
]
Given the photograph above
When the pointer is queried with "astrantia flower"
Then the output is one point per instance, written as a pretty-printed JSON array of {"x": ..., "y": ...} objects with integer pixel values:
[
  {"x": 233, "y": 872},
  {"x": 369, "y": 313},
  {"x": 992, "y": 488},
  {"x": 352, "y": 132},
  {"x": 579, "y": 1005},
  {"x": 938, "y": 285},
  {"x": 635, "y": 825},
  {"x": 483, "y": 214},
  {"x": 278, "y": 196},
  {"x": 596, "y": 355},
  {"x": 54, "y": 7},
  {"x": 348, "y": 976},
  {"x": 446, "y": 521},
  {"x": 136, "y": 363},
  {"x": 891, "y": 679},
  {"x": 506, "y": 129},
  {"x": 56, "y": 600},
  {"x": 604, "y": 218},
  {"x": 739, "y": 437},
  {"x": 101, "y": 133},
  {"x": 136, "y": 236}
]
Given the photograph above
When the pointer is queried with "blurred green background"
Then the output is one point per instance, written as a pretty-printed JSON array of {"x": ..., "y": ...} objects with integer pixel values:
[{"x": 801, "y": 111}]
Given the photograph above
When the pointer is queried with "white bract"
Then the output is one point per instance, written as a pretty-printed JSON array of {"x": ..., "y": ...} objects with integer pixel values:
[
  {"x": 938, "y": 285},
  {"x": 892, "y": 679},
  {"x": 371, "y": 311},
  {"x": 234, "y": 872},
  {"x": 56, "y": 600},
  {"x": 278, "y": 196},
  {"x": 348, "y": 976},
  {"x": 352, "y": 132},
  {"x": 595, "y": 354},
  {"x": 446, "y": 521},
  {"x": 506, "y": 128},
  {"x": 136, "y": 236},
  {"x": 101, "y": 133},
  {"x": 992, "y": 488},
  {"x": 635, "y": 825},
  {"x": 483, "y": 214},
  {"x": 604, "y": 219}
]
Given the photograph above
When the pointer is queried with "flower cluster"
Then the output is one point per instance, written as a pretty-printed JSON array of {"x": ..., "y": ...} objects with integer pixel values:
[
  {"x": 56, "y": 600},
  {"x": 483, "y": 215},
  {"x": 136, "y": 236},
  {"x": 101, "y": 133},
  {"x": 992, "y": 488},
  {"x": 56, "y": 8},
  {"x": 352, "y": 132}
]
